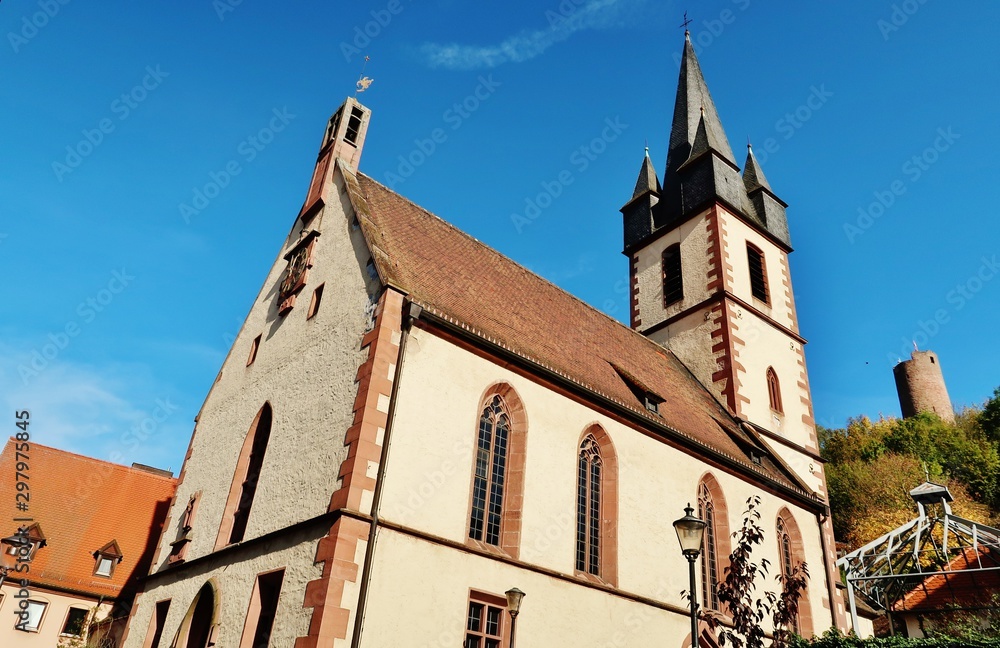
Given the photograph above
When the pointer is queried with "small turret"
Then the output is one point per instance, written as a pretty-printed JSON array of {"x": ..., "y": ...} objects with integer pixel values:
[
  {"x": 638, "y": 212},
  {"x": 768, "y": 208}
]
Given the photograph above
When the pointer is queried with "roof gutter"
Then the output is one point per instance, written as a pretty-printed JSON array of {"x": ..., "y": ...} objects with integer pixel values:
[{"x": 679, "y": 438}]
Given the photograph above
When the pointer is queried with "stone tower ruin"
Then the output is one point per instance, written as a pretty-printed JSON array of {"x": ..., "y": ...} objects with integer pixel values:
[{"x": 921, "y": 388}]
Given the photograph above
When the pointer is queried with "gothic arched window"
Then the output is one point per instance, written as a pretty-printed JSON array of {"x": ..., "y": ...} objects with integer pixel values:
[
  {"x": 790, "y": 558},
  {"x": 673, "y": 284},
  {"x": 774, "y": 391},
  {"x": 710, "y": 554},
  {"x": 588, "y": 507},
  {"x": 491, "y": 466},
  {"x": 244, "y": 486}
]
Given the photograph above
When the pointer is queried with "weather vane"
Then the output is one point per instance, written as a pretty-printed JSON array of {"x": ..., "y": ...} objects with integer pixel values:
[
  {"x": 686, "y": 21},
  {"x": 363, "y": 81}
]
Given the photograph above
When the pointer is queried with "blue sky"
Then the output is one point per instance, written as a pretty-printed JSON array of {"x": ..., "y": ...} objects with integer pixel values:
[{"x": 117, "y": 113}]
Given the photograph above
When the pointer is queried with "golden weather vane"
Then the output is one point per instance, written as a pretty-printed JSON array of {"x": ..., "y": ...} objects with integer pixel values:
[{"x": 363, "y": 81}]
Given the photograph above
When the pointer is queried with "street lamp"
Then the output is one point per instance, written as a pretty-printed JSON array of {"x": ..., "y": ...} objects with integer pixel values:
[
  {"x": 514, "y": 597},
  {"x": 690, "y": 533}
]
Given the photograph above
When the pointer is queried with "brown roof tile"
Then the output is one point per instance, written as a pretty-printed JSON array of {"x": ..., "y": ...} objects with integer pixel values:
[
  {"x": 460, "y": 278},
  {"x": 83, "y": 504}
]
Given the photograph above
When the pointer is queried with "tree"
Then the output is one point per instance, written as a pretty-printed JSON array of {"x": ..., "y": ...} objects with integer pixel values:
[{"x": 737, "y": 591}]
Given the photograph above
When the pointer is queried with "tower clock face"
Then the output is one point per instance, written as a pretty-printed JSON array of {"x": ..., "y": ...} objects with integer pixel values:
[{"x": 296, "y": 270}]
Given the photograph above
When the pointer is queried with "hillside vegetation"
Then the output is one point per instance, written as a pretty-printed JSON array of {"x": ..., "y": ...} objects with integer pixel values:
[{"x": 872, "y": 466}]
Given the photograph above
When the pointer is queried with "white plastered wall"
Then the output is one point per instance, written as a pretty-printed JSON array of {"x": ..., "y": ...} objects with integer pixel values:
[
  {"x": 53, "y": 619},
  {"x": 428, "y": 484}
]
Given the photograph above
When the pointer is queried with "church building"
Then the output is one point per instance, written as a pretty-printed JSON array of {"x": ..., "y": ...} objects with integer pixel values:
[{"x": 409, "y": 425}]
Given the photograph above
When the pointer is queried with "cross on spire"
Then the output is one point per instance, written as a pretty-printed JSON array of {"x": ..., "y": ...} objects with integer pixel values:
[{"x": 686, "y": 22}]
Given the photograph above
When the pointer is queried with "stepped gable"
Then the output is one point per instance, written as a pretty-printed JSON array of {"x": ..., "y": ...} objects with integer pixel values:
[{"x": 455, "y": 275}]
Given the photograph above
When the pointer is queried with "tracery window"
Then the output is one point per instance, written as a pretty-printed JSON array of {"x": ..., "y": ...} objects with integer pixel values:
[
  {"x": 490, "y": 471},
  {"x": 588, "y": 507},
  {"x": 709, "y": 554}
]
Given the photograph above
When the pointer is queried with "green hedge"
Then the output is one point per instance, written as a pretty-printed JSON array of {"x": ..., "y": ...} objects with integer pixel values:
[{"x": 834, "y": 639}]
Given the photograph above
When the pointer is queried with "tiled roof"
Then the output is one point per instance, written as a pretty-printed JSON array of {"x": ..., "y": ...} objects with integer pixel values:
[
  {"x": 470, "y": 284},
  {"x": 81, "y": 505},
  {"x": 965, "y": 588}
]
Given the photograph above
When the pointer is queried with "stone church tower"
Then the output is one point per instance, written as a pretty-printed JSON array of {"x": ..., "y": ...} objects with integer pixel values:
[{"x": 708, "y": 250}]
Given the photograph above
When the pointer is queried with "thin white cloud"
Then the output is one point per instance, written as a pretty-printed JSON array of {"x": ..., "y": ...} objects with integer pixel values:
[
  {"x": 116, "y": 412},
  {"x": 527, "y": 44}
]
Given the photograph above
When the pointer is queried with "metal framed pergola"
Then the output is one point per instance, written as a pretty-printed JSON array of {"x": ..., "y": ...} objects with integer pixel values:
[{"x": 885, "y": 570}]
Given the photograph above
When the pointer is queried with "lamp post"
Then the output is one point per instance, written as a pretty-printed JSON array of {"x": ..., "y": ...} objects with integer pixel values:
[
  {"x": 514, "y": 597},
  {"x": 690, "y": 533}
]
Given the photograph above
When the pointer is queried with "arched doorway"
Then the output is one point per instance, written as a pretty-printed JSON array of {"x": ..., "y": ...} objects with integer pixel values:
[
  {"x": 201, "y": 619},
  {"x": 198, "y": 630}
]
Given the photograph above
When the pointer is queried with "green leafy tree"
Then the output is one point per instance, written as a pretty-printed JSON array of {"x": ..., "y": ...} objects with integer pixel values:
[{"x": 738, "y": 592}]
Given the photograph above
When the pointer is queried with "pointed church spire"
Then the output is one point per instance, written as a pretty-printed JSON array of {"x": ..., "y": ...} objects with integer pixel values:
[
  {"x": 647, "y": 178},
  {"x": 693, "y": 106},
  {"x": 753, "y": 175}
]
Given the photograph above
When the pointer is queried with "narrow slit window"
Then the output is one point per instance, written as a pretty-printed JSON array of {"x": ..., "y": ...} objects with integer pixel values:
[
  {"x": 673, "y": 283},
  {"x": 353, "y": 126},
  {"x": 709, "y": 557},
  {"x": 774, "y": 391},
  {"x": 263, "y": 609},
  {"x": 314, "y": 303},
  {"x": 156, "y": 625},
  {"x": 758, "y": 273},
  {"x": 253, "y": 350}
]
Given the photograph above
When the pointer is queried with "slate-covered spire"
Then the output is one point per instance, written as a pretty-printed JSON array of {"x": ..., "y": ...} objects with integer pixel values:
[
  {"x": 768, "y": 209},
  {"x": 648, "y": 181},
  {"x": 753, "y": 175},
  {"x": 692, "y": 106}
]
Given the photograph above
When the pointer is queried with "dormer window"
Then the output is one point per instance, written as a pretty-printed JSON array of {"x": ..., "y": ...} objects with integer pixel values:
[
  {"x": 652, "y": 402},
  {"x": 24, "y": 543},
  {"x": 105, "y": 566},
  {"x": 106, "y": 558}
]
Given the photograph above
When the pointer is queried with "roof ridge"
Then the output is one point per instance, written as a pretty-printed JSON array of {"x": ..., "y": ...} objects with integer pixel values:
[
  {"x": 657, "y": 347},
  {"x": 77, "y": 455}
]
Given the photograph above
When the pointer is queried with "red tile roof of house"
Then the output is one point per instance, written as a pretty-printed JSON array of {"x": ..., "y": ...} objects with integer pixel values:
[
  {"x": 965, "y": 588},
  {"x": 83, "y": 504},
  {"x": 455, "y": 276}
]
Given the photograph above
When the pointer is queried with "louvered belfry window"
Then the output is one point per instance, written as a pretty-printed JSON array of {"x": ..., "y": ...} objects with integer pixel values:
[
  {"x": 491, "y": 466},
  {"x": 588, "y": 508},
  {"x": 673, "y": 283},
  {"x": 758, "y": 273}
]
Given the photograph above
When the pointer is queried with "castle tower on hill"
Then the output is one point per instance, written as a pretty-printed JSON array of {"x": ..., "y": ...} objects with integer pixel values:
[{"x": 921, "y": 388}]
